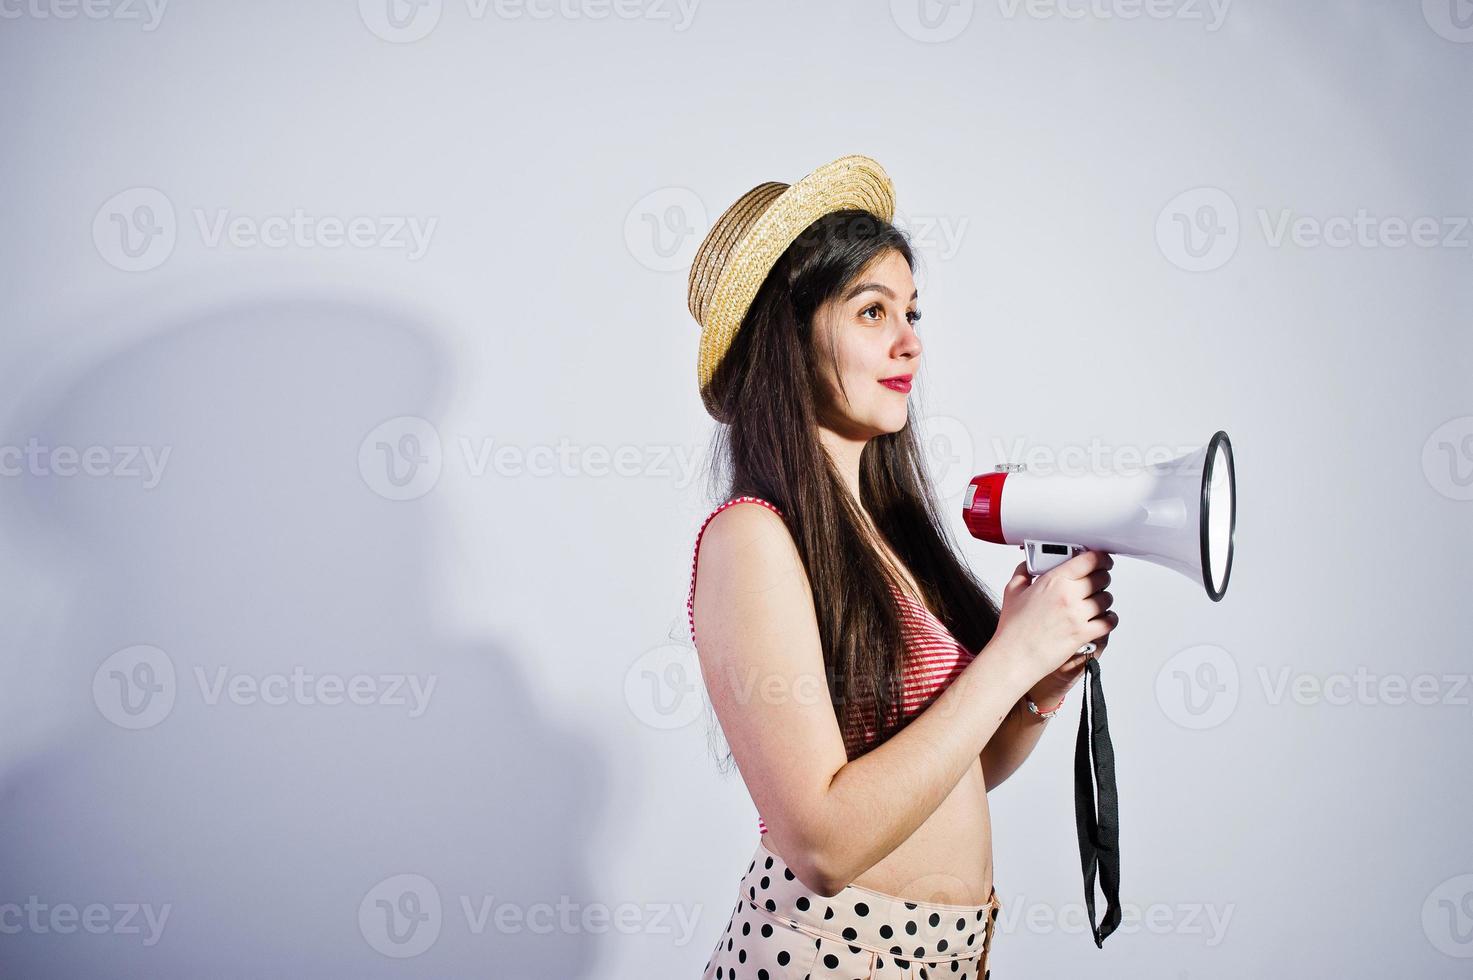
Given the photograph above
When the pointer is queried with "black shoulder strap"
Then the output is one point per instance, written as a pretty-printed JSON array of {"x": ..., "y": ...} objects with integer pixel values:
[{"x": 1098, "y": 824}]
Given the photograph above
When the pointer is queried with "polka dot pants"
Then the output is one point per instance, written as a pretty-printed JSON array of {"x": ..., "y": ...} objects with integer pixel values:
[{"x": 780, "y": 930}]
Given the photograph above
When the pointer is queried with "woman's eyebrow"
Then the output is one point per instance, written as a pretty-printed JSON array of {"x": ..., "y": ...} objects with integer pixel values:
[{"x": 877, "y": 287}]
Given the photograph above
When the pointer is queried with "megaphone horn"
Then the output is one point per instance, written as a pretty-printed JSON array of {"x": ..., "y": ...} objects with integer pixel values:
[{"x": 1181, "y": 513}]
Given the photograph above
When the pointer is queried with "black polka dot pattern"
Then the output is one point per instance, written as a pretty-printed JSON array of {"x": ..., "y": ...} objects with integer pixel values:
[{"x": 781, "y": 930}]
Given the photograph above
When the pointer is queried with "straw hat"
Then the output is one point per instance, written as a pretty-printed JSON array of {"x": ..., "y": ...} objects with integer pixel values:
[{"x": 752, "y": 234}]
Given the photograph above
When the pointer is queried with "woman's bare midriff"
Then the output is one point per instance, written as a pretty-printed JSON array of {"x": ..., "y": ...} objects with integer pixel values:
[{"x": 948, "y": 859}]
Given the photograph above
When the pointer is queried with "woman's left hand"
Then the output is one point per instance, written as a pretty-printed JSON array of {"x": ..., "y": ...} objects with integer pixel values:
[{"x": 1049, "y": 691}]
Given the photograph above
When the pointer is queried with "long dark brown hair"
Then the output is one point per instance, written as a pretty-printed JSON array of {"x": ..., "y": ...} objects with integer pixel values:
[{"x": 768, "y": 387}]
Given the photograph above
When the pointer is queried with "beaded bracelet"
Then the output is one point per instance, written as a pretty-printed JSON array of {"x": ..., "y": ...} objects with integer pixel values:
[{"x": 1045, "y": 715}]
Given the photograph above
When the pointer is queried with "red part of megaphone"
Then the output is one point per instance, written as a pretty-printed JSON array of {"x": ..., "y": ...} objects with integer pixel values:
[{"x": 983, "y": 507}]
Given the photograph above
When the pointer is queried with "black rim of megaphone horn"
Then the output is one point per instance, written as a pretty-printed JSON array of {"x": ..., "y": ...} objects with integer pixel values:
[{"x": 1218, "y": 437}]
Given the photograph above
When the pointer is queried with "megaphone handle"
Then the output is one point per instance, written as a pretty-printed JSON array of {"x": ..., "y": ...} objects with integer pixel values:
[{"x": 1044, "y": 555}]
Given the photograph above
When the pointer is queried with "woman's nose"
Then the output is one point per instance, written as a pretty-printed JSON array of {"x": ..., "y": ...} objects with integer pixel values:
[{"x": 910, "y": 343}]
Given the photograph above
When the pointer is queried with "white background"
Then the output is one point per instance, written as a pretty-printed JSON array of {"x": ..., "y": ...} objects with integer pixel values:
[{"x": 565, "y": 167}]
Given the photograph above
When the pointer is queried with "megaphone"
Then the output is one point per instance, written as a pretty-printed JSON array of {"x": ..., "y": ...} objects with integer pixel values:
[{"x": 1180, "y": 514}]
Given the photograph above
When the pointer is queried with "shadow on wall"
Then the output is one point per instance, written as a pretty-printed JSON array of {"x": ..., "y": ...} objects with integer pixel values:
[{"x": 235, "y": 728}]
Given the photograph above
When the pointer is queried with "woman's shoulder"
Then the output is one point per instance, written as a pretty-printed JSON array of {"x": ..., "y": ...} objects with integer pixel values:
[
  {"x": 761, "y": 525},
  {"x": 746, "y": 548},
  {"x": 745, "y": 499}
]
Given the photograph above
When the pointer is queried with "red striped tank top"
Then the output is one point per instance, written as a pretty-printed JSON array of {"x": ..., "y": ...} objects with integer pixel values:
[{"x": 933, "y": 657}]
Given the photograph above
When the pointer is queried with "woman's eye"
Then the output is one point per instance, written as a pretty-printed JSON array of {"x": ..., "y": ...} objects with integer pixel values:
[{"x": 913, "y": 316}]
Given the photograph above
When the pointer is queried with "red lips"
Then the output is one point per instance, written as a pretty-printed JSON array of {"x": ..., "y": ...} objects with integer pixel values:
[{"x": 901, "y": 382}]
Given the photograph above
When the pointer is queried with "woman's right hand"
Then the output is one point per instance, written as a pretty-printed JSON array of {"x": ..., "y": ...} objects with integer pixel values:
[{"x": 1047, "y": 619}]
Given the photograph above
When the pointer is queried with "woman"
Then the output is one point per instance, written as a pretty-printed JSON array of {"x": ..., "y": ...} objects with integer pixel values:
[{"x": 870, "y": 689}]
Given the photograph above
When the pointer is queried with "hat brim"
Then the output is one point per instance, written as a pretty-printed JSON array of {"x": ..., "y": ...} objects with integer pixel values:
[{"x": 850, "y": 182}]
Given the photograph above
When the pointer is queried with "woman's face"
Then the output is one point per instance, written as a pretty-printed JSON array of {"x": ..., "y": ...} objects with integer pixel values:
[{"x": 871, "y": 325}]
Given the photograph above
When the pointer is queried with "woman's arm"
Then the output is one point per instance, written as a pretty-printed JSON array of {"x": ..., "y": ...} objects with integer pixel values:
[
  {"x": 1020, "y": 731},
  {"x": 1011, "y": 744},
  {"x": 762, "y": 662}
]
